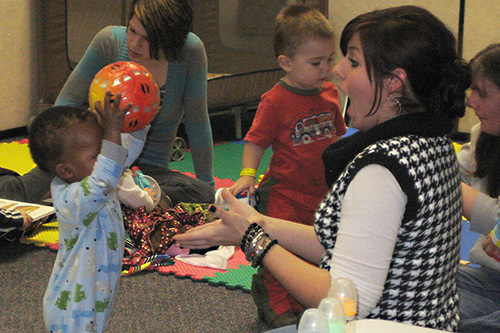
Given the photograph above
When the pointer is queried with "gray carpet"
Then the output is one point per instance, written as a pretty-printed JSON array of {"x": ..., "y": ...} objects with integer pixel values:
[{"x": 146, "y": 302}]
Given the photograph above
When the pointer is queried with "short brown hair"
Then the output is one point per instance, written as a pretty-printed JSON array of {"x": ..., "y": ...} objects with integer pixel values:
[
  {"x": 167, "y": 24},
  {"x": 487, "y": 64},
  {"x": 295, "y": 24}
]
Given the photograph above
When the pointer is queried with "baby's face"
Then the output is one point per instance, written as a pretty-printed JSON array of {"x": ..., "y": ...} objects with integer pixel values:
[
  {"x": 311, "y": 64},
  {"x": 82, "y": 149}
]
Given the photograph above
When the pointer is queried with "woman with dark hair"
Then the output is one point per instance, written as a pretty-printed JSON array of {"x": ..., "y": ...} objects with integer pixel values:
[
  {"x": 391, "y": 221},
  {"x": 158, "y": 37},
  {"x": 479, "y": 161}
]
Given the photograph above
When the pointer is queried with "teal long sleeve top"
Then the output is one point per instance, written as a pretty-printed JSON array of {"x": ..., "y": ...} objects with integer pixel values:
[{"x": 184, "y": 98}]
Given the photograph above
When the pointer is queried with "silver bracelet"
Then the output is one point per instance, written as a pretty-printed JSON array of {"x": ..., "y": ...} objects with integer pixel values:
[
  {"x": 259, "y": 250},
  {"x": 251, "y": 243}
]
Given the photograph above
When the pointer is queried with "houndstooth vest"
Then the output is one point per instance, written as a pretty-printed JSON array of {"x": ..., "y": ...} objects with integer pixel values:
[{"x": 420, "y": 288}]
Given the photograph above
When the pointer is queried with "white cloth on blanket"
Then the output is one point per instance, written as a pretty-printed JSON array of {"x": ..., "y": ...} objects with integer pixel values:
[{"x": 213, "y": 259}]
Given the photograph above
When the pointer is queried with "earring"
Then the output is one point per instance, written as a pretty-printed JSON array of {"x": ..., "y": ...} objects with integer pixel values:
[{"x": 394, "y": 100}]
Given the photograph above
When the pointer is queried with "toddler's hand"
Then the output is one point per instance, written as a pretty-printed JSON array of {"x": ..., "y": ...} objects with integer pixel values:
[
  {"x": 244, "y": 183},
  {"x": 112, "y": 117},
  {"x": 491, "y": 249}
]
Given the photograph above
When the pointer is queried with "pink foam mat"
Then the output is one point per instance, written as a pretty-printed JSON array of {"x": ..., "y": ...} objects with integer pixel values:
[{"x": 181, "y": 269}]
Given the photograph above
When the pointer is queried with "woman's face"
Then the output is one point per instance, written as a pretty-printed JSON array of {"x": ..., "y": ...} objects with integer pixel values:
[
  {"x": 484, "y": 98},
  {"x": 137, "y": 41},
  {"x": 354, "y": 82}
]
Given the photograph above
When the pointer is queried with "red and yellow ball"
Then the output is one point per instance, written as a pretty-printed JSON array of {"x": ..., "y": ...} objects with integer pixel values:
[{"x": 137, "y": 87}]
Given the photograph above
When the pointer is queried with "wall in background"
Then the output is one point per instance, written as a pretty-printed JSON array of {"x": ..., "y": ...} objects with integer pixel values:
[
  {"x": 481, "y": 28},
  {"x": 19, "y": 61},
  {"x": 20, "y": 82}
]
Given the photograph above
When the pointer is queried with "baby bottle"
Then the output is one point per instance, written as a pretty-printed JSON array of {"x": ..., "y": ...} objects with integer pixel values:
[
  {"x": 313, "y": 321},
  {"x": 344, "y": 290},
  {"x": 243, "y": 197},
  {"x": 334, "y": 313}
]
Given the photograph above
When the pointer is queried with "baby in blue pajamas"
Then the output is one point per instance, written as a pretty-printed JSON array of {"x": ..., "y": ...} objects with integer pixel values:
[{"x": 87, "y": 155}]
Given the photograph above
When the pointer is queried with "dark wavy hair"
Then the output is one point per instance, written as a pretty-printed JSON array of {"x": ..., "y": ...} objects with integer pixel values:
[
  {"x": 486, "y": 65},
  {"x": 50, "y": 131},
  {"x": 412, "y": 38},
  {"x": 167, "y": 24}
]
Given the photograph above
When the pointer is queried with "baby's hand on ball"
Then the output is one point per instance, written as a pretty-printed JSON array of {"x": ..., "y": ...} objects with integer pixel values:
[{"x": 112, "y": 117}]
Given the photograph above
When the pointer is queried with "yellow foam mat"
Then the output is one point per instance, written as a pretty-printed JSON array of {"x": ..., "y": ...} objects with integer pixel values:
[
  {"x": 16, "y": 156},
  {"x": 43, "y": 236}
]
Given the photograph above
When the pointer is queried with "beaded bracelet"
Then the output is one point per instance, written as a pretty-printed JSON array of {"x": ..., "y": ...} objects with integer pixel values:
[
  {"x": 258, "y": 262},
  {"x": 248, "y": 172},
  {"x": 250, "y": 236},
  {"x": 256, "y": 243},
  {"x": 252, "y": 227}
]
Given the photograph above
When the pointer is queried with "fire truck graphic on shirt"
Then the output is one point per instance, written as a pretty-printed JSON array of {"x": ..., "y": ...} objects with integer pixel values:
[{"x": 312, "y": 128}]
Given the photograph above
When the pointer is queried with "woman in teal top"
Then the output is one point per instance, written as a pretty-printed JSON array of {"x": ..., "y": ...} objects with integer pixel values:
[{"x": 158, "y": 37}]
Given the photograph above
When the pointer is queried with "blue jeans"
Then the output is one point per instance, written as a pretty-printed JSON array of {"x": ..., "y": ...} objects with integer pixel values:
[{"x": 479, "y": 290}]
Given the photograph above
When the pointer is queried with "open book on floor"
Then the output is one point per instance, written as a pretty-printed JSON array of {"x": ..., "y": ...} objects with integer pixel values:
[{"x": 37, "y": 212}]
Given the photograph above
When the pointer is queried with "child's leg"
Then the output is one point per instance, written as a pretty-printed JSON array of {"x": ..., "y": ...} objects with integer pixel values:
[
  {"x": 276, "y": 306},
  {"x": 278, "y": 201}
]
